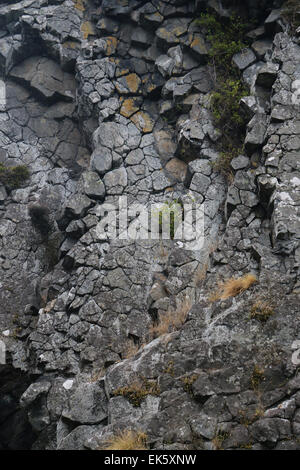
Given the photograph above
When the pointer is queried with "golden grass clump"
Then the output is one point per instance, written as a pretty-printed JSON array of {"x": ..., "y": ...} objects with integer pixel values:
[
  {"x": 127, "y": 440},
  {"x": 172, "y": 320},
  {"x": 233, "y": 287}
]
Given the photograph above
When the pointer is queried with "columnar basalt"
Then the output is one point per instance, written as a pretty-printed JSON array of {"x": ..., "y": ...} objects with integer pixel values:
[{"x": 111, "y": 99}]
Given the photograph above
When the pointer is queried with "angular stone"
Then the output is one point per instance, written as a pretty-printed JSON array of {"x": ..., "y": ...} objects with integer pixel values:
[
  {"x": 244, "y": 59},
  {"x": 92, "y": 185},
  {"x": 101, "y": 160},
  {"x": 46, "y": 78},
  {"x": 129, "y": 84},
  {"x": 87, "y": 404},
  {"x": 143, "y": 121},
  {"x": 256, "y": 133},
  {"x": 267, "y": 75}
]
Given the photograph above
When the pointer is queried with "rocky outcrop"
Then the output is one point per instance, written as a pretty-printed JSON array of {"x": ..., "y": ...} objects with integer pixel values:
[{"x": 112, "y": 99}]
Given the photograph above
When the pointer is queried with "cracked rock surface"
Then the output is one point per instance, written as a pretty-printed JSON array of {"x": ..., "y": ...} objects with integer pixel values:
[{"x": 109, "y": 101}]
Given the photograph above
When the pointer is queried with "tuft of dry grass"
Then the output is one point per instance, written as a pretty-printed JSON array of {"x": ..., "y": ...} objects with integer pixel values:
[
  {"x": 262, "y": 310},
  {"x": 172, "y": 320},
  {"x": 127, "y": 440},
  {"x": 233, "y": 287},
  {"x": 131, "y": 349},
  {"x": 200, "y": 275}
]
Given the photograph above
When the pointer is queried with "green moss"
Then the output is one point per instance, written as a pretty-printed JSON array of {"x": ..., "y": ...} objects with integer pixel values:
[{"x": 13, "y": 177}]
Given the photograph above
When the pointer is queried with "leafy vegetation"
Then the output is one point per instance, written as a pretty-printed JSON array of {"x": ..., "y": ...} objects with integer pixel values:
[
  {"x": 13, "y": 177},
  {"x": 291, "y": 13},
  {"x": 226, "y": 39}
]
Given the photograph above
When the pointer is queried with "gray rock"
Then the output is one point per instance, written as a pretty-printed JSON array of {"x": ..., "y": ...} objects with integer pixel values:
[
  {"x": 87, "y": 404},
  {"x": 244, "y": 59},
  {"x": 267, "y": 75},
  {"x": 46, "y": 78},
  {"x": 101, "y": 160},
  {"x": 77, "y": 206},
  {"x": 33, "y": 392},
  {"x": 240, "y": 162},
  {"x": 256, "y": 133},
  {"x": 92, "y": 185}
]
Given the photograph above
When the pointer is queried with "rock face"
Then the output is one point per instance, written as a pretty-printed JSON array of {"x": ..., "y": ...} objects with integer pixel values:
[{"x": 108, "y": 105}]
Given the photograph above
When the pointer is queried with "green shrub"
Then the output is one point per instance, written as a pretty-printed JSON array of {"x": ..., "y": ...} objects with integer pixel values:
[
  {"x": 291, "y": 13},
  {"x": 225, "y": 104},
  {"x": 226, "y": 39},
  {"x": 12, "y": 177}
]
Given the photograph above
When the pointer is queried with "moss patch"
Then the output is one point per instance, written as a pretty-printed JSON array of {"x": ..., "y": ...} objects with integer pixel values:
[{"x": 13, "y": 177}]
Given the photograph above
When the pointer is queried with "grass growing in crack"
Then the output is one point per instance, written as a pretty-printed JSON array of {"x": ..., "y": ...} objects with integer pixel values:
[
  {"x": 219, "y": 439},
  {"x": 138, "y": 391},
  {"x": 171, "y": 320},
  {"x": 257, "y": 377},
  {"x": 233, "y": 287},
  {"x": 127, "y": 440},
  {"x": 188, "y": 383}
]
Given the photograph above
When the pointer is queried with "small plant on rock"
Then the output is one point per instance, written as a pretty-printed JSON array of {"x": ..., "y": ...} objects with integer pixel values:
[
  {"x": 257, "y": 377},
  {"x": 262, "y": 310},
  {"x": 137, "y": 391},
  {"x": 127, "y": 440},
  {"x": 219, "y": 439},
  {"x": 188, "y": 383},
  {"x": 171, "y": 320}
]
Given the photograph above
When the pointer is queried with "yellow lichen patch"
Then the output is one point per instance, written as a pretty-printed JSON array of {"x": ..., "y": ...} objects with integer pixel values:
[
  {"x": 79, "y": 5},
  {"x": 111, "y": 45},
  {"x": 129, "y": 107},
  {"x": 143, "y": 121},
  {"x": 121, "y": 72},
  {"x": 71, "y": 45},
  {"x": 87, "y": 29},
  {"x": 133, "y": 82}
]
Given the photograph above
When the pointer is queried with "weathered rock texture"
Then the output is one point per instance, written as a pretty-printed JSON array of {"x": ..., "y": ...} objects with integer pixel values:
[{"x": 109, "y": 99}]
